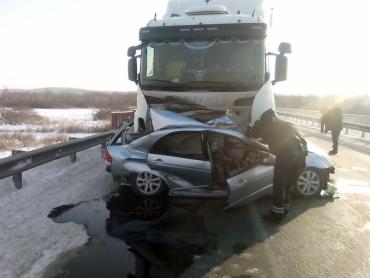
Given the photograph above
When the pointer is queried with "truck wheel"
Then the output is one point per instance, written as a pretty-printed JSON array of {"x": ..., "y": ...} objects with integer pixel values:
[
  {"x": 309, "y": 183},
  {"x": 147, "y": 185}
]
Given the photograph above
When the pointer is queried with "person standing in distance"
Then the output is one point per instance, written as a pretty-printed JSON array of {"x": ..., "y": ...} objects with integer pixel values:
[
  {"x": 290, "y": 149},
  {"x": 332, "y": 121}
]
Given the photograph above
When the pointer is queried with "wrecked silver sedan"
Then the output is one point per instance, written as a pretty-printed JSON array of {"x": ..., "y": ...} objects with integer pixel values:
[{"x": 194, "y": 159}]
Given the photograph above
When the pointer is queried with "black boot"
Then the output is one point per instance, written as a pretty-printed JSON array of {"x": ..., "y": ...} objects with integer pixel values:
[
  {"x": 333, "y": 152},
  {"x": 273, "y": 217},
  {"x": 286, "y": 209}
]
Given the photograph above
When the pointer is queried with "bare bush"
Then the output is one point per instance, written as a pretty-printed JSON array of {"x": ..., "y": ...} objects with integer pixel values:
[
  {"x": 22, "y": 140},
  {"x": 70, "y": 127},
  {"x": 21, "y": 116},
  {"x": 66, "y": 99},
  {"x": 82, "y": 128},
  {"x": 102, "y": 114}
]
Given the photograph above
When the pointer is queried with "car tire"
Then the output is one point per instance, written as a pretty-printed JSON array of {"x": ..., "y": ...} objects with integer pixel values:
[
  {"x": 147, "y": 184},
  {"x": 309, "y": 183}
]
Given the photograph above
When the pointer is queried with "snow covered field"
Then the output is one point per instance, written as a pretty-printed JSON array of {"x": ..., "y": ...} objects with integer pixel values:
[
  {"x": 74, "y": 114},
  {"x": 5, "y": 153},
  {"x": 56, "y": 123},
  {"x": 29, "y": 240},
  {"x": 58, "y": 120}
]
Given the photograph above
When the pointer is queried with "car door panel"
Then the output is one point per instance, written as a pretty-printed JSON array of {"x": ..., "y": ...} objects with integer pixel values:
[
  {"x": 197, "y": 172},
  {"x": 249, "y": 185}
]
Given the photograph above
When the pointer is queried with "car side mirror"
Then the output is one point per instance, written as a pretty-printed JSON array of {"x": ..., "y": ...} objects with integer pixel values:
[{"x": 132, "y": 69}]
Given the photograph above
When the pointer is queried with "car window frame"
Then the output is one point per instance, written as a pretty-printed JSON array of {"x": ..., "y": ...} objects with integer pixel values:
[
  {"x": 203, "y": 146},
  {"x": 247, "y": 147}
]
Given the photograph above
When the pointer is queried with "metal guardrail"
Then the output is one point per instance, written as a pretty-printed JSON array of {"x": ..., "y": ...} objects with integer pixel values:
[
  {"x": 20, "y": 162},
  {"x": 350, "y": 121},
  {"x": 354, "y": 119}
]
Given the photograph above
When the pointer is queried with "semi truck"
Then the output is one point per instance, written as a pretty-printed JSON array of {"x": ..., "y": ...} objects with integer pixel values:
[{"x": 205, "y": 59}]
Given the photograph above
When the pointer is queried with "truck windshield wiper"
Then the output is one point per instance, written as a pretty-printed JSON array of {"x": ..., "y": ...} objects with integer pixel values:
[
  {"x": 217, "y": 84},
  {"x": 196, "y": 85}
]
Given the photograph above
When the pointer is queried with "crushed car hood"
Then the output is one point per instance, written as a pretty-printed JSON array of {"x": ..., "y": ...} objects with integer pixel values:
[{"x": 167, "y": 119}]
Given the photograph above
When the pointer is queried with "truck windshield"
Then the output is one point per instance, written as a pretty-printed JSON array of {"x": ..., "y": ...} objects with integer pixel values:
[{"x": 213, "y": 65}]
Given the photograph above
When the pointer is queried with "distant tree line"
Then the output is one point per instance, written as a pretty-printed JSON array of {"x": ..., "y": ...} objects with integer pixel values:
[
  {"x": 357, "y": 104},
  {"x": 50, "y": 99}
]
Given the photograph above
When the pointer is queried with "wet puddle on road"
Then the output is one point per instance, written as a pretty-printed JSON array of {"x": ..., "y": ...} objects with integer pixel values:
[
  {"x": 349, "y": 186},
  {"x": 131, "y": 237},
  {"x": 142, "y": 237}
]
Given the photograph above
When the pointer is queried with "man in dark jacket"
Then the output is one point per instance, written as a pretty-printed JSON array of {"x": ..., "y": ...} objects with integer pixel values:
[
  {"x": 332, "y": 120},
  {"x": 290, "y": 149}
]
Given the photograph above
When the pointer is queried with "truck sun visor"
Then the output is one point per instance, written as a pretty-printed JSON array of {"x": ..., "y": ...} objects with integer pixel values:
[{"x": 240, "y": 30}]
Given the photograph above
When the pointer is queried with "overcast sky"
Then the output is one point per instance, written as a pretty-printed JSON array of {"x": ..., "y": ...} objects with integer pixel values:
[{"x": 82, "y": 43}]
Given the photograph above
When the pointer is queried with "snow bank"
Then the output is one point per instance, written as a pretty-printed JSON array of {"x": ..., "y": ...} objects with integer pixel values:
[
  {"x": 29, "y": 240},
  {"x": 72, "y": 114},
  {"x": 4, "y": 154}
]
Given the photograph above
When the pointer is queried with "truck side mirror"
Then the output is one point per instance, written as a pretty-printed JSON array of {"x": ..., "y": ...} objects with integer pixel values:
[
  {"x": 132, "y": 69},
  {"x": 281, "y": 63},
  {"x": 131, "y": 51},
  {"x": 285, "y": 48},
  {"x": 281, "y": 68}
]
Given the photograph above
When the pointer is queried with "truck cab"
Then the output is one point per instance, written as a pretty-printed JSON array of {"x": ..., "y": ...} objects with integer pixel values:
[{"x": 206, "y": 59}]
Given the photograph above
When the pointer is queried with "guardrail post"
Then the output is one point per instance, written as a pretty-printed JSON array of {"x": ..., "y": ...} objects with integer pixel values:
[
  {"x": 73, "y": 156},
  {"x": 362, "y": 134},
  {"x": 17, "y": 178}
]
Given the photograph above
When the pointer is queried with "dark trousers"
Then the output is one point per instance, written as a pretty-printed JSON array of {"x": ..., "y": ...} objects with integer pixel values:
[
  {"x": 286, "y": 173},
  {"x": 335, "y": 138}
]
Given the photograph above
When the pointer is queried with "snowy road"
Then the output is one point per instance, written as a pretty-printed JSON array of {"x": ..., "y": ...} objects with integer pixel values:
[
  {"x": 29, "y": 240},
  {"x": 337, "y": 232}
]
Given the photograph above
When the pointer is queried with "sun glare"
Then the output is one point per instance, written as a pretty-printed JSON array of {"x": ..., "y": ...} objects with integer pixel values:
[{"x": 83, "y": 43}]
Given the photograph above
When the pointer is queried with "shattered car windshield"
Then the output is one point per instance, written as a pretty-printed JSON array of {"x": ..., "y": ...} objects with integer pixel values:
[{"x": 214, "y": 65}]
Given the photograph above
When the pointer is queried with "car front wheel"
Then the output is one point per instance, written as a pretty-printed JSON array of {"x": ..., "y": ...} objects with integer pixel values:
[
  {"x": 309, "y": 183},
  {"x": 147, "y": 184}
]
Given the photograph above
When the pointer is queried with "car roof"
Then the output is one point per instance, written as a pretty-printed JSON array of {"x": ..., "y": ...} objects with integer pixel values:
[{"x": 146, "y": 142}]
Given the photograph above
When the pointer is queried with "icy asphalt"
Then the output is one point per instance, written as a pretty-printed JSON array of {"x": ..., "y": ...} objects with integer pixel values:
[
  {"x": 319, "y": 238},
  {"x": 29, "y": 240}
]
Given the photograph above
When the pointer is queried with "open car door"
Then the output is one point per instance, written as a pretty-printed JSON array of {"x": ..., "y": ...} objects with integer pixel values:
[
  {"x": 249, "y": 185},
  {"x": 255, "y": 182},
  {"x": 242, "y": 164}
]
